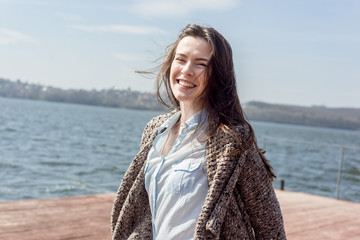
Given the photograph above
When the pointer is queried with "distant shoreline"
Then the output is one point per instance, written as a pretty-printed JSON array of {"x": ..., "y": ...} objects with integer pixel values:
[{"x": 341, "y": 118}]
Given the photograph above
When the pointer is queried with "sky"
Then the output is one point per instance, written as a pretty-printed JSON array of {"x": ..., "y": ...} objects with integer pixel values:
[{"x": 287, "y": 52}]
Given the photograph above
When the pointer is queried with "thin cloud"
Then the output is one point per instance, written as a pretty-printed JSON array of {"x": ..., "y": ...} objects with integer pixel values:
[
  {"x": 175, "y": 8},
  {"x": 68, "y": 16},
  {"x": 127, "y": 57},
  {"x": 119, "y": 28},
  {"x": 30, "y": 2},
  {"x": 8, "y": 36}
]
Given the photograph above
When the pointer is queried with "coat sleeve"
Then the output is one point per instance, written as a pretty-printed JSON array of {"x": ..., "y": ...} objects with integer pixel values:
[
  {"x": 129, "y": 177},
  {"x": 131, "y": 216},
  {"x": 259, "y": 198}
]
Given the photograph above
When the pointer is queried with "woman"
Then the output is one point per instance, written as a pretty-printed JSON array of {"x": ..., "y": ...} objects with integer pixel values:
[{"x": 199, "y": 173}]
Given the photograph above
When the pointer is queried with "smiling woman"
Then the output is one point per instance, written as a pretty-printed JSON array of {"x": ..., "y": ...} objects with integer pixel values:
[
  {"x": 188, "y": 72},
  {"x": 199, "y": 173}
]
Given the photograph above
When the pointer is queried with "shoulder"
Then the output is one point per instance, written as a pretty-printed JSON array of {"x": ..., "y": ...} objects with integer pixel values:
[
  {"x": 243, "y": 131},
  {"x": 157, "y": 121},
  {"x": 153, "y": 125},
  {"x": 237, "y": 136}
]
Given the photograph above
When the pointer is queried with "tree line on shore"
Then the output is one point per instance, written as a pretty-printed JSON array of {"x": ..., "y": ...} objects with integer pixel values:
[
  {"x": 112, "y": 97},
  {"x": 344, "y": 118}
]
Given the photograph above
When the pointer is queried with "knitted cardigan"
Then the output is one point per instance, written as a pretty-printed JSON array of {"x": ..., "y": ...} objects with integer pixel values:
[{"x": 240, "y": 204}]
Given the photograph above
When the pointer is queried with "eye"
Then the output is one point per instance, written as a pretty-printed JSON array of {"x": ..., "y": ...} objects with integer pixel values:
[
  {"x": 179, "y": 59},
  {"x": 202, "y": 64}
]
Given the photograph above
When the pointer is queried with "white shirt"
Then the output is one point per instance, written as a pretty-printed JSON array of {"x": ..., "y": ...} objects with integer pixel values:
[{"x": 177, "y": 183}]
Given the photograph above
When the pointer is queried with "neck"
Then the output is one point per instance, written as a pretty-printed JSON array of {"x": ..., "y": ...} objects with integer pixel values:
[{"x": 187, "y": 111}]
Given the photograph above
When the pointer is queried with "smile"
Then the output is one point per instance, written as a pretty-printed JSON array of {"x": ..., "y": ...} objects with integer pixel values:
[{"x": 185, "y": 83}]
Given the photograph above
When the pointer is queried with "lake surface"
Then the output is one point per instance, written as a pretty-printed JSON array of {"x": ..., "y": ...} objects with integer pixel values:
[{"x": 53, "y": 150}]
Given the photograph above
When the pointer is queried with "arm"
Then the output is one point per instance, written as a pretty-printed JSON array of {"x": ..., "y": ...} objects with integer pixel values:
[
  {"x": 129, "y": 178},
  {"x": 131, "y": 199},
  {"x": 258, "y": 196}
]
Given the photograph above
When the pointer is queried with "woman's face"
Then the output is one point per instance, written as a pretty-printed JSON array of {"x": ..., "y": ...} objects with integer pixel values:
[{"x": 188, "y": 70}]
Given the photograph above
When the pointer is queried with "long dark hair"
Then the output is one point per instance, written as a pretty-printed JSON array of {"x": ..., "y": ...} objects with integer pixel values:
[{"x": 222, "y": 101}]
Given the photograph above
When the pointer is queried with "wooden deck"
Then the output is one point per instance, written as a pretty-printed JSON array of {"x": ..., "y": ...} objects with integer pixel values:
[
  {"x": 314, "y": 217},
  {"x": 88, "y": 217}
]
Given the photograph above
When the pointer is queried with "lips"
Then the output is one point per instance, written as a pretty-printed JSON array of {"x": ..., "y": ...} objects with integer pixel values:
[{"x": 185, "y": 83}]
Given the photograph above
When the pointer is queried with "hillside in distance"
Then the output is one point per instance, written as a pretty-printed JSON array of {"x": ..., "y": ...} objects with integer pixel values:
[
  {"x": 344, "y": 118},
  {"x": 113, "y": 97}
]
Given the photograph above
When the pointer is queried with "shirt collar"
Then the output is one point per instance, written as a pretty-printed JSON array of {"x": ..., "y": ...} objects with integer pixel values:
[
  {"x": 198, "y": 118},
  {"x": 170, "y": 122}
]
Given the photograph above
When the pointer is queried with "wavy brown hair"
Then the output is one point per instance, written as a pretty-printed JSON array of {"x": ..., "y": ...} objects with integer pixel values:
[{"x": 222, "y": 101}]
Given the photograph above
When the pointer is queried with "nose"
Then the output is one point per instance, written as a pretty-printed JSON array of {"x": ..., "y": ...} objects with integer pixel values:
[{"x": 187, "y": 69}]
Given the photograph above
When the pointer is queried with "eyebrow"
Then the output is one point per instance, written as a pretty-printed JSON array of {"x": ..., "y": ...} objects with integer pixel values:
[{"x": 198, "y": 59}]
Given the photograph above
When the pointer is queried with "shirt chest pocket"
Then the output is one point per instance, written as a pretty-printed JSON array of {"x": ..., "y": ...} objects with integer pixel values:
[{"x": 184, "y": 175}]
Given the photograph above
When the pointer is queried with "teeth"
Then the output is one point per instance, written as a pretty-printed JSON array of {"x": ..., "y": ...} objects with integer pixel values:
[{"x": 186, "y": 84}]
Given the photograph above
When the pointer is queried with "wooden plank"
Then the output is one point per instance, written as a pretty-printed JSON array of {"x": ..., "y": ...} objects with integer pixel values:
[
  {"x": 82, "y": 217},
  {"x": 88, "y": 217},
  {"x": 314, "y": 217}
]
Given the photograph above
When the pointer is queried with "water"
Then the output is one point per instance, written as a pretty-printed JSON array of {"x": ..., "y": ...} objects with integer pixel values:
[
  {"x": 53, "y": 150},
  {"x": 311, "y": 167}
]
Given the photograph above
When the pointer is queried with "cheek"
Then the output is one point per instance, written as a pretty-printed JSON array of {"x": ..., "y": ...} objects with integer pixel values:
[
  {"x": 203, "y": 80},
  {"x": 173, "y": 69},
  {"x": 172, "y": 76}
]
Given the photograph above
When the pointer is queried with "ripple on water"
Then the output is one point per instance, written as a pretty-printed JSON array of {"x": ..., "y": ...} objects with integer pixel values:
[
  {"x": 8, "y": 130},
  {"x": 60, "y": 164}
]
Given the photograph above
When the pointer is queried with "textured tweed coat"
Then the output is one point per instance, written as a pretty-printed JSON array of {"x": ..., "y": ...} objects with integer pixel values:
[{"x": 240, "y": 204}]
